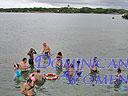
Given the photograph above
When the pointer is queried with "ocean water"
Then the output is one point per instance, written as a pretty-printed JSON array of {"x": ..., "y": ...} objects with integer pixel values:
[{"x": 75, "y": 35}]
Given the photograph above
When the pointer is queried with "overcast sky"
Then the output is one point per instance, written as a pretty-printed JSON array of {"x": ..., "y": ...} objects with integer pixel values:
[{"x": 62, "y": 3}]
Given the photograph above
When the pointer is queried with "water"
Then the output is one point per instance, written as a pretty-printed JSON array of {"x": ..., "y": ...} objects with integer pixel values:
[{"x": 76, "y": 35}]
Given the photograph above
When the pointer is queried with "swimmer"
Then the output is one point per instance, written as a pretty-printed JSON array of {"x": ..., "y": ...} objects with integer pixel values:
[
  {"x": 38, "y": 75},
  {"x": 31, "y": 58},
  {"x": 17, "y": 72},
  {"x": 24, "y": 65},
  {"x": 46, "y": 49},
  {"x": 40, "y": 78},
  {"x": 25, "y": 68},
  {"x": 27, "y": 89},
  {"x": 59, "y": 61},
  {"x": 59, "y": 55}
]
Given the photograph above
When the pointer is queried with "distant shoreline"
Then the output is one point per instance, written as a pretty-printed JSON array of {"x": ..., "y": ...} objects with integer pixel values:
[{"x": 68, "y": 10}]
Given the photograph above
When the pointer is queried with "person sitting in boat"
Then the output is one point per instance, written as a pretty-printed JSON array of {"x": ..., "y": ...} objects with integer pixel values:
[
  {"x": 17, "y": 73},
  {"x": 46, "y": 49},
  {"x": 93, "y": 68},
  {"x": 27, "y": 89},
  {"x": 59, "y": 61},
  {"x": 31, "y": 57},
  {"x": 118, "y": 80}
]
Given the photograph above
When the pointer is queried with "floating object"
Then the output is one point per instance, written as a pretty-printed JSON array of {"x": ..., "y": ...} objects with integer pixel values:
[
  {"x": 51, "y": 76},
  {"x": 113, "y": 17}
]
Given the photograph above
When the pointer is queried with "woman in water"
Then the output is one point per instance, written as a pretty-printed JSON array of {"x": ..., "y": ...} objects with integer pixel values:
[
  {"x": 31, "y": 58},
  {"x": 46, "y": 49},
  {"x": 59, "y": 62}
]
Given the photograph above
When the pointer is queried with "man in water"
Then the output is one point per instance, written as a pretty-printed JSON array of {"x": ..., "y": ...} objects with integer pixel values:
[
  {"x": 31, "y": 58},
  {"x": 24, "y": 67},
  {"x": 40, "y": 78},
  {"x": 46, "y": 49},
  {"x": 28, "y": 88}
]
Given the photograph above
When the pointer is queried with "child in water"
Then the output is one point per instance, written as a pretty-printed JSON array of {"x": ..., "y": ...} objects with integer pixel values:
[{"x": 17, "y": 73}]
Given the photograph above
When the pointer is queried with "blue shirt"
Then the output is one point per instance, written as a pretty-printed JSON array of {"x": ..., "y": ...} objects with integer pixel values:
[{"x": 18, "y": 73}]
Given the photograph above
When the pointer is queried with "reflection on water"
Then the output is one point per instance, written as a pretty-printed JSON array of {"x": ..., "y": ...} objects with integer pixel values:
[{"x": 76, "y": 35}]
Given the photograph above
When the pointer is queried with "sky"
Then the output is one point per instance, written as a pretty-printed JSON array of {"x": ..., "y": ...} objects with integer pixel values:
[{"x": 63, "y": 3}]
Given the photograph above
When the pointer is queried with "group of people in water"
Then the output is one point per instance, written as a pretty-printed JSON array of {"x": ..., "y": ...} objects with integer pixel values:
[
  {"x": 26, "y": 73},
  {"x": 32, "y": 77}
]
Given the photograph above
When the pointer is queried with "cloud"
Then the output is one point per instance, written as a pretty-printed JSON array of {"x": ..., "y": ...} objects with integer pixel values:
[{"x": 22, "y": 4}]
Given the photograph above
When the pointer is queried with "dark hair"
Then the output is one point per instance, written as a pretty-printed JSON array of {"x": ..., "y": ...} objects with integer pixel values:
[
  {"x": 67, "y": 61},
  {"x": 95, "y": 58},
  {"x": 24, "y": 59},
  {"x": 59, "y": 53},
  {"x": 78, "y": 62},
  {"x": 16, "y": 65},
  {"x": 33, "y": 75},
  {"x": 119, "y": 70},
  {"x": 38, "y": 71}
]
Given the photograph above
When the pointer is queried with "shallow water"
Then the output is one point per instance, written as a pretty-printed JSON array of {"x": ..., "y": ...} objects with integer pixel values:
[{"x": 76, "y": 35}]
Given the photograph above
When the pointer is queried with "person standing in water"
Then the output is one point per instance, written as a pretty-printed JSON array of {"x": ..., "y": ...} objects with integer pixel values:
[
  {"x": 24, "y": 67},
  {"x": 40, "y": 78},
  {"x": 118, "y": 80},
  {"x": 31, "y": 58},
  {"x": 59, "y": 61},
  {"x": 46, "y": 49},
  {"x": 27, "y": 89},
  {"x": 17, "y": 73}
]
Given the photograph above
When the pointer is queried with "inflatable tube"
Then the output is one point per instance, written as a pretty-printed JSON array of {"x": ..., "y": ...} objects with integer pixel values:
[{"x": 51, "y": 76}]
